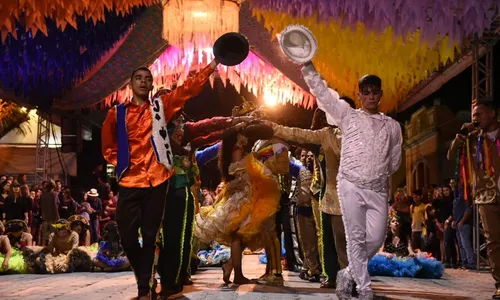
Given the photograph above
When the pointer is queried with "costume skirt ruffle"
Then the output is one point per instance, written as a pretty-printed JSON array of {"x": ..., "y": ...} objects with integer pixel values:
[
  {"x": 216, "y": 256},
  {"x": 242, "y": 208},
  {"x": 421, "y": 266},
  {"x": 17, "y": 264}
]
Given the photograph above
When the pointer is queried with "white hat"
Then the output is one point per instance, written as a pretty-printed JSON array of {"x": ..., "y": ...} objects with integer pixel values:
[
  {"x": 298, "y": 43},
  {"x": 93, "y": 193}
]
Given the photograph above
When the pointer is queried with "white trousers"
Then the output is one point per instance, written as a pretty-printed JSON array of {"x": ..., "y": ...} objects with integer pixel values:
[{"x": 364, "y": 213}]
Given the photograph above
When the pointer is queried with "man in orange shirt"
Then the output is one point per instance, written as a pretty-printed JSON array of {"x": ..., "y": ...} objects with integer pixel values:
[{"x": 135, "y": 140}]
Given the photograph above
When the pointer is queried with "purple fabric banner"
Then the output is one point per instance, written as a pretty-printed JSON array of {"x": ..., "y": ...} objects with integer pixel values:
[{"x": 456, "y": 18}]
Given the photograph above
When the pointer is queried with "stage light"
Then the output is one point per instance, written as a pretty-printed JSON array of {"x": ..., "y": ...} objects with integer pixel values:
[{"x": 269, "y": 98}]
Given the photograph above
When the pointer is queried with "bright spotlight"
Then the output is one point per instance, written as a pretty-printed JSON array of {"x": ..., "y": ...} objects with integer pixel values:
[{"x": 269, "y": 98}]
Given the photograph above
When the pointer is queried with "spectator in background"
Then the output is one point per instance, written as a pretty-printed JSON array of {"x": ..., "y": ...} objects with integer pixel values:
[
  {"x": 50, "y": 214},
  {"x": 4, "y": 194},
  {"x": 401, "y": 206},
  {"x": 417, "y": 211},
  {"x": 445, "y": 216},
  {"x": 22, "y": 179},
  {"x": 59, "y": 190},
  {"x": 207, "y": 199},
  {"x": 96, "y": 211},
  {"x": 462, "y": 223},
  {"x": 36, "y": 223},
  {"x": 68, "y": 206},
  {"x": 3, "y": 178},
  {"x": 25, "y": 194},
  {"x": 15, "y": 207}
]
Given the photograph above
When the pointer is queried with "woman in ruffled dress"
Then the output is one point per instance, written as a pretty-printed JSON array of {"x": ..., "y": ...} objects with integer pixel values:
[
  {"x": 397, "y": 258},
  {"x": 245, "y": 205},
  {"x": 11, "y": 259}
]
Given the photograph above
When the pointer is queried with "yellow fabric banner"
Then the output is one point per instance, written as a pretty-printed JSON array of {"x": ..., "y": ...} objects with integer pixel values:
[{"x": 346, "y": 54}]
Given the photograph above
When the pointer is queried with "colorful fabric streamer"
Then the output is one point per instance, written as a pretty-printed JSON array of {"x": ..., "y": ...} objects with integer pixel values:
[
  {"x": 456, "y": 18},
  {"x": 347, "y": 53},
  {"x": 33, "y": 14},
  {"x": 260, "y": 78},
  {"x": 43, "y": 68}
]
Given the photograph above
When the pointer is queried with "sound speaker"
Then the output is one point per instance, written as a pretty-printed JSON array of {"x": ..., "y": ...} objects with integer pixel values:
[{"x": 71, "y": 135}]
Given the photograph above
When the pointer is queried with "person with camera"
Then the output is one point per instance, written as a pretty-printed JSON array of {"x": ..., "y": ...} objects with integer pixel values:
[{"x": 484, "y": 134}]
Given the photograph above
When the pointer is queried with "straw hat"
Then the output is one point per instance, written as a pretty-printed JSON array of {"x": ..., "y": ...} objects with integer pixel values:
[
  {"x": 93, "y": 193},
  {"x": 298, "y": 43}
]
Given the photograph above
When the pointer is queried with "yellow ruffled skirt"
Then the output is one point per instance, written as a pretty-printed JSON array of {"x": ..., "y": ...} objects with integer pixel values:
[{"x": 243, "y": 208}]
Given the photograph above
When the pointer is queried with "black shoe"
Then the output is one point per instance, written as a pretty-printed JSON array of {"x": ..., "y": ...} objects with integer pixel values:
[
  {"x": 303, "y": 275},
  {"x": 314, "y": 278},
  {"x": 292, "y": 268}
]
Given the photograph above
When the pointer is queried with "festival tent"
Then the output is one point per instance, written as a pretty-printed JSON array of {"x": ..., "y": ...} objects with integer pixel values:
[{"x": 72, "y": 57}]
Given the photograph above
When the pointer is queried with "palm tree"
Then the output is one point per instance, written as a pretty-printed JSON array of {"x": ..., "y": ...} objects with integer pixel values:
[{"x": 11, "y": 117}]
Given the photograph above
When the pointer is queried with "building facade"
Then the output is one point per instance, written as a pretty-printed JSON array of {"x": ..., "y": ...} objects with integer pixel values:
[{"x": 428, "y": 135}]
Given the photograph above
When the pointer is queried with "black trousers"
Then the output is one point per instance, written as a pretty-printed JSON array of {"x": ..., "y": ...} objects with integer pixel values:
[
  {"x": 330, "y": 258},
  {"x": 140, "y": 208},
  {"x": 449, "y": 245},
  {"x": 283, "y": 224},
  {"x": 175, "y": 255}
]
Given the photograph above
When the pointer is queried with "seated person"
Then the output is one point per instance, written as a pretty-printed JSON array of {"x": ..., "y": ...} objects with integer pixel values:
[
  {"x": 110, "y": 256},
  {"x": 80, "y": 225},
  {"x": 11, "y": 259},
  {"x": 63, "y": 240},
  {"x": 54, "y": 259},
  {"x": 17, "y": 231},
  {"x": 397, "y": 258}
]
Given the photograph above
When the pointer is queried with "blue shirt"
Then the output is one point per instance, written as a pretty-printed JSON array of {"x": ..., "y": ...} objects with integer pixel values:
[{"x": 460, "y": 206}]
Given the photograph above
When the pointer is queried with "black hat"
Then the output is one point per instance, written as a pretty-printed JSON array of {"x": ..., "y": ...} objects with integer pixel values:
[{"x": 231, "y": 49}]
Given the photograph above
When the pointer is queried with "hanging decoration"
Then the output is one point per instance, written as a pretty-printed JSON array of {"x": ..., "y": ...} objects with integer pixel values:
[
  {"x": 345, "y": 54},
  {"x": 45, "y": 67},
  {"x": 33, "y": 14},
  {"x": 260, "y": 78},
  {"x": 11, "y": 117},
  {"x": 456, "y": 18},
  {"x": 198, "y": 23}
]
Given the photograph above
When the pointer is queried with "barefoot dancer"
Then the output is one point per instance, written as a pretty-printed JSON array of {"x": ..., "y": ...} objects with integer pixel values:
[{"x": 242, "y": 208}]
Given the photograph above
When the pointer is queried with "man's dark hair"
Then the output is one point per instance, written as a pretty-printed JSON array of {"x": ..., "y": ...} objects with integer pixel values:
[
  {"x": 418, "y": 192},
  {"x": 369, "y": 81},
  {"x": 140, "y": 69},
  {"x": 349, "y": 101},
  {"x": 488, "y": 104}
]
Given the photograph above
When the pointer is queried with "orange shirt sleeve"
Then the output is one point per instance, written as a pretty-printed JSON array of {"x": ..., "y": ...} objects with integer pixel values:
[
  {"x": 174, "y": 101},
  {"x": 109, "y": 144}
]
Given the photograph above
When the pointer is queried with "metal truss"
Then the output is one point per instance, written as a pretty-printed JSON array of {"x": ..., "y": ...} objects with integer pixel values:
[{"x": 42, "y": 149}]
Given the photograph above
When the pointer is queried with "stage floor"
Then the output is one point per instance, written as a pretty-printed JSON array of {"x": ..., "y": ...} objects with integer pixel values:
[{"x": 456, "y": 284}]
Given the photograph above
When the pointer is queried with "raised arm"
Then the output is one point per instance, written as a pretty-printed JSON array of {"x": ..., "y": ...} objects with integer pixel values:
[
  {"x": 207, "y": 154},
  {"x": 396, "y": 143},
  {"x": 295, "y": 169},
  {"x": 192, "y": 86},
  {"x": 215, "y": 136},
  {"x": 193, "y": 130},
  {"x": 108, "y": 140},
  {"x": 299, "y": 135},
  {"x": 457, "y": 142},
  {"x": 328, "y": 100}
]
